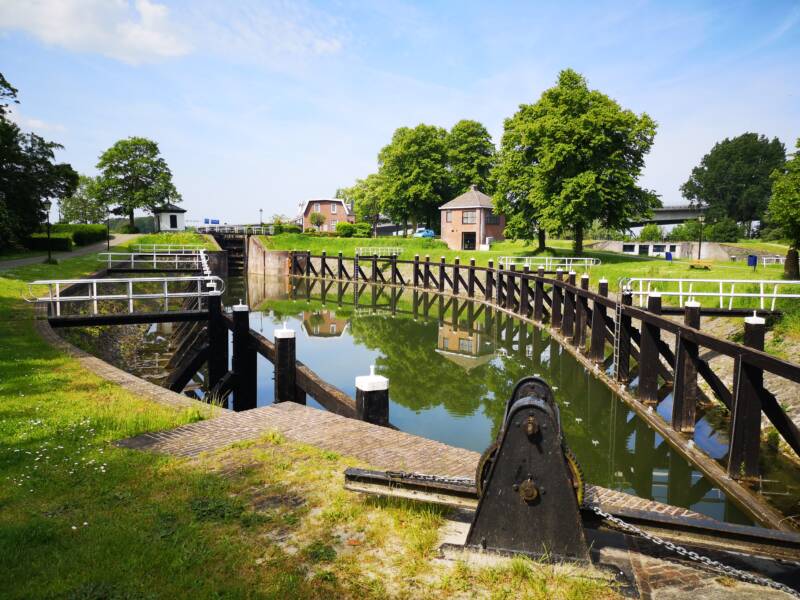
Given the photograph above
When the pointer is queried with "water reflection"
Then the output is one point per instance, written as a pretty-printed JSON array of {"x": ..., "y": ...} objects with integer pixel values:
[{"x": 453, "y": 364}]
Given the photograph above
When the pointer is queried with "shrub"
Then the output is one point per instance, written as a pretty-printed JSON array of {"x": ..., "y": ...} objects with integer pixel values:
[
  {"x": 345, "y": 229},
  {"x": 82, "y": 235},
  {"x": 291, "y": 229},
  {"x": 128, "y": 228},
  {"x": 363, "y": 230},
  {"x": 651, "y": 233},
  {"x": 688, "y": 231},
  {"x": 58, "y": 241},
  {"x": 725, "y": 230}
]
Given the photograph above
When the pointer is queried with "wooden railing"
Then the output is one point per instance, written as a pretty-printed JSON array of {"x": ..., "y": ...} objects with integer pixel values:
[{"x": 592, "y": 322}]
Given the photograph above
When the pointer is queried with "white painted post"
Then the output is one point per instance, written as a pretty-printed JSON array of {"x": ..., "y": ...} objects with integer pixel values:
[{"x": 372, "y": 398}]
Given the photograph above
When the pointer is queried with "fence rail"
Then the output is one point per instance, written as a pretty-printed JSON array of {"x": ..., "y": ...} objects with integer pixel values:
[
  {"x": 168, "y": 248},
  {"x": 238, "y": 229},
  {"x": 378, "y": 251},
  {"x": 591, "y": 322},
  {"x": 154, "y": 260},
  {"x": 724, "y": 289},
  {"x": 550, "y": 263}
]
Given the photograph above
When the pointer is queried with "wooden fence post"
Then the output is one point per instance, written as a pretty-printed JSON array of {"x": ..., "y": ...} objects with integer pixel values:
[
  {"x": 427, "y": 274},
  {"x": 244, "y": 361},
  {"x": 471, "y": 279},
  {"x": 339, "y": 266},
  {"x": 456, "y": 273},
  {"x": 416, "y": 270},
  {"x": 748, "y": 385},
  {"x": 556, "y": 318},
  {"x": 538, "y": 295},
  {"x": 524, "y": 304},
  {"x": 217, "y": 342},
  {"x": 684, "y": 389},
  {"x": 581, "y": 312},
  {"x": 372, "y": 398},
  {"x": 441, "y": 274},
  {"x": 393, "y": 266},
  {"x": 498, "y": 286},
  {"x": 648, "y": 353},
  {"x": 488, "y": 291},
  {"x": 323, "y": 263},
  {"x": 624, "y": 342},
  {"x": 286, "y": 367},
  {"x": 373, "y": 277},
  {"x": 597, "y": 346},
  {"x": 511, "y": 287},
  {"x": 568, "y": 319}
]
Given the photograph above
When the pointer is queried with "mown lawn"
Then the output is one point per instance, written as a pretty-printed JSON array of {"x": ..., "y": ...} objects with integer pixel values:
[
  {"x": 176, "y": 238},
  {"x": 81, "y": 518}
]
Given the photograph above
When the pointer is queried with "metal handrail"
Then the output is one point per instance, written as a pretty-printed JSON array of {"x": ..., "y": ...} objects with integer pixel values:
[
  {"x": 245, "y": 229},
  {"x": 169, "y": 248},
  {"x": 644, "y": 286},
  {"x": 378, "y": 251},
  {"x": 549, "y": 262},
  {"x": 155, "y": 260}
]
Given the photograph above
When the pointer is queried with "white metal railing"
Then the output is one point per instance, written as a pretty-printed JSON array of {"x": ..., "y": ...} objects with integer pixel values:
[
  {"x": 378, "y": 251},
  {"x": 129, "y": 290},
  {"x": 773, "y": 260},
  {"x": 155, "y": 260},
  {"x": 723, "y": 289},
  {"x": 550, "y": 263},
  {"x": 169, "y": 248},
  {"x": 243, "y": 229}
]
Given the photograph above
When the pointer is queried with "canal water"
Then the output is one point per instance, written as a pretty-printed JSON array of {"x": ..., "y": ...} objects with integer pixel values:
[{"x": 451, "y": 368}]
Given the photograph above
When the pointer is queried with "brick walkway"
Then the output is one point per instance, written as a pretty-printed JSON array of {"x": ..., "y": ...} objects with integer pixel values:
[{"x": 379, "y": 447}]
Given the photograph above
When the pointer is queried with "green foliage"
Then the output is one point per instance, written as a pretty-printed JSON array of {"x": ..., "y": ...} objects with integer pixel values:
[
  {"x": 133, "y": 175},
  {"x": 292, "y": 229},
  {"x": 724, "y": 230},
  {"x": 470, "y": 157},
  {"x": 84, "y": 205},
  {"x": 784, "y": 206},
  {"x": 29, "y": 175},
  {"x": 363, "y": 230},
  {"x": 82, "y": 235},
  {"x": 58, "y": 241},
  {"x": 651, "y": 233},
  {"x": 733, "y": 179},
  {"x": 366, "y": 197},
  {"x": 598, "y": 232},
  {"x": 128, "y": 228},
  {"x": 689, "y": 231},
  {"x": 317, "y": 219},
  {"x": 345, "y": 229},
  {"x": 570, "y": 159}
]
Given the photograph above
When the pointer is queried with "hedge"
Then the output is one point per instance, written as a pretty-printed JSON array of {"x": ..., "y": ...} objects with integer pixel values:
[
  {"x": 345, "y": 229},
  {"x": 58, "y": 241},
  {"x": 363, "y": 230},
  {"x": 82, "y": 235}
]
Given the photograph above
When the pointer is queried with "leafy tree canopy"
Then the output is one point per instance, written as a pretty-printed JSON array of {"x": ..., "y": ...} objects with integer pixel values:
[
  {"x": 470, "y": 157},
  {"x": 688, "y": 231},
  {"x": 572, "y": 157},
  {"x": 733, "y": 179},
  {"x": 784, "y": 207},
  {"x": 651, "y": 233},
  {"x": 367, "y": 197},
  {"x": 84, "y": 205},
  {"x": 317, "y": 219},
  {"x": 133, "y": 175},
  {"x": 29, "y": 175}
]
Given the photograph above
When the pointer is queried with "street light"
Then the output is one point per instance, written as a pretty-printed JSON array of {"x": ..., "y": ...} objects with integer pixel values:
[
  {"x": 701, "y": 218},
  {"x": 47, "y": 204},
  {"x": 261, "y": 217}
]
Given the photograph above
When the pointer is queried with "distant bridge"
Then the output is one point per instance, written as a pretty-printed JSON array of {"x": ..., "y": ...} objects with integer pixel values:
[{"x": 671, "y": 215}]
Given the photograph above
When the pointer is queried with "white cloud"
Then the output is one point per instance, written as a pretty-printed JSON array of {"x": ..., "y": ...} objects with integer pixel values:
[
  {"x": 30, "y": 123},
  {"x": 134, "y": 34}
]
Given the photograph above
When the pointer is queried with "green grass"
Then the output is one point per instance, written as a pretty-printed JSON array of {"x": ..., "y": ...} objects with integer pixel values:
[
  {"x": 178, "y": 238},
  {"x": 778, "y": 248},
  {"x": 15, "y": 254},
  {"x": 82, "y": 518}
]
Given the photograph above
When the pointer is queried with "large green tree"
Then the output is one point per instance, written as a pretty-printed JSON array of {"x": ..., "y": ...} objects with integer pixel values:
[
  {"x": 367, "y": 196},
  {"x": 414, "y": 167},
  {"x": 29, "y": 175},
  {"x": 470, "y": 157},
  {"x": 84, "y": 205},
  {"x": 733, "y": 179},
  {"x": 784, "y": 208},
  {"x": 572, "y": 157},
  {"x": 134, "y": 175}
]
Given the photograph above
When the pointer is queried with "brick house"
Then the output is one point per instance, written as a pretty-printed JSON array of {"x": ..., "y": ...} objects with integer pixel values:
[
  {"x": 469, "y": 220},
  {"x": 335, "y": 210}
]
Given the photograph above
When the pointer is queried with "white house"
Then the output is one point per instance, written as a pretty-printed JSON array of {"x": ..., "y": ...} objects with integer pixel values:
[{"x": 169, "y": 218}]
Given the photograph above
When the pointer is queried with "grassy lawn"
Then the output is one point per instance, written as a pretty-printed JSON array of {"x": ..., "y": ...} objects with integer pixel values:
[
  {"x": 778, "y": 248},
  {"x": 177, "y": 238},
  {"x": 81, "y": 518},
  {"x": 15, "y": 254}
]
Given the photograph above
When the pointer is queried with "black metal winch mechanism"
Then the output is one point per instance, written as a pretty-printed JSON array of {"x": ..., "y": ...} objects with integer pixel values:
[{"x": 528, "y": 499}]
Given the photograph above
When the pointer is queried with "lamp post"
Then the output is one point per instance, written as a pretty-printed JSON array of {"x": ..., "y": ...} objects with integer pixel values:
[
  {"x": 108, "y": 230},
  {"x": 261, "y": 217},
  {"x": 701, "y": 218},
  {"x": 47, "y": 204}
]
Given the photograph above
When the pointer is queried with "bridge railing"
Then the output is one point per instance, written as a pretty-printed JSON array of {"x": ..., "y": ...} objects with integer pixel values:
[
  {"x": 154, "y": 260},
  {"x": 378, "y": 251},
  {"x": 168, "y": 248},
  {"x": 724, "y": 290},
  {"x": 126, "y": 290},
  {"x": 238, "y": 229},
  {"x": 550, "y": 263}
]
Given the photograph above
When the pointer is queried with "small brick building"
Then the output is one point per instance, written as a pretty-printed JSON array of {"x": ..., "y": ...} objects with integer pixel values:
[
  {"x": 469, "y": 220},
  {"x": 335, "y": 210}
]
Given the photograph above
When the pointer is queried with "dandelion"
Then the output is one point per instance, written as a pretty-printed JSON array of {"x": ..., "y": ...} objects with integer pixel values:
[{"x": 74, "y": 528}]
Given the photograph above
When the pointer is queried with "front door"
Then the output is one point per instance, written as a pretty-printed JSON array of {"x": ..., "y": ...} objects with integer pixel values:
[
  {"x": 173, "y": 221},
  {"x": 468, "y": 240}
]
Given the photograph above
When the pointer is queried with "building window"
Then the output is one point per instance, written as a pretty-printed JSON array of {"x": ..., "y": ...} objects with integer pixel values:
[
  {"x": 448, "y": 216},
  {"x": 629, "y": 247},
  {"x": 492, "y": 219},
  {"x": 317, "y": 207},
  {"x": 333, "y": 208},
  {"x": 468, "y": 217},
  {"x": 672, "y": 247},
  {"x": 333, "y": 225},
  {"x": 333, "y": 327},
  {"x": 445, "y": 343},
  {"x": 465, "y": 346},
  {"x": 659, "y": 248}
]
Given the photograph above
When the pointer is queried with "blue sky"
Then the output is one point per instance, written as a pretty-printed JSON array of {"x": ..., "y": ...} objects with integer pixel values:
[{"x": 266, "y": 104}]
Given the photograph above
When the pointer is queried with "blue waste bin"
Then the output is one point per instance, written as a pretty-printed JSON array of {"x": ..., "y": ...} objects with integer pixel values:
[
  {"x": 752, "y": 260},
  {"x": 669, "y": 256}
]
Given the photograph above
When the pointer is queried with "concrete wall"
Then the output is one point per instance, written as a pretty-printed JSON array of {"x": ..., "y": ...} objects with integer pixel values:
[
  {"x": 709, "y": 251},
  {"x": 163, "y": 224},
  {"x": 218, "y": 263},
  {"x": 261, "y": 261}
]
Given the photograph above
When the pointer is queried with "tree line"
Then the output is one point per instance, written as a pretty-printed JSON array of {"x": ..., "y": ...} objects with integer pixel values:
[{"x": 132, "y": 175}]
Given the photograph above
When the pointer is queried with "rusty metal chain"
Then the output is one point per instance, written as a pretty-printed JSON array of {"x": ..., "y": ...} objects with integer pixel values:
[{"x": 690, "y": 554}]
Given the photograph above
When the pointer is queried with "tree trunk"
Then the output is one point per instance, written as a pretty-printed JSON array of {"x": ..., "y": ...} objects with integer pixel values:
[
  {"x": 791, "y": 268},
  {"x": 131, "y": 220},
  {"x": 577, "y": 243},
  {"x": 405, "y": 227},
  {"x": 542, "y": 238}
]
